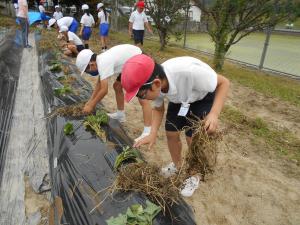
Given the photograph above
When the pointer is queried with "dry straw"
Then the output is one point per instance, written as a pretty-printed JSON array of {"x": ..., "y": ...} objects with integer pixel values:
[
  {"x": 202, "y": 155},
  {"x": 70, "y": 110},
  {"x": 146, "y": 178}
]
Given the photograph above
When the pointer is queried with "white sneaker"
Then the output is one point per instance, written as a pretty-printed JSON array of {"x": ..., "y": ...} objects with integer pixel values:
[
  {"x": 117, "y": 116},
  {"x": 141, "y": 136},
  {"x": 169, "y": 170},
  {"x": 190, "y": 185}
]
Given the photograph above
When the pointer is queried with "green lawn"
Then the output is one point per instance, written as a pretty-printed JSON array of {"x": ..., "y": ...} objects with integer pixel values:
[{"x": 283, "y": 53}]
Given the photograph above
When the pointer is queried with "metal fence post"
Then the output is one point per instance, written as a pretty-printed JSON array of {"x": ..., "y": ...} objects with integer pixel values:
[
  {"x": 264, "y": 52},
  {"x": 186, "y": 23}
]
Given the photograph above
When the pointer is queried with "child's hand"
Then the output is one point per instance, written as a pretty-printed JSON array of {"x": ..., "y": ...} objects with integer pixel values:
[
  {"x": 150, "y": 140},
  {"x": 88, "y": 108},
  {"x": 211, "y": 123}
]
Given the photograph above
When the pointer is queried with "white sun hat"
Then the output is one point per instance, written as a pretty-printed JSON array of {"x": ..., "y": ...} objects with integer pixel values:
[
  {"x": 51, "y": 22},
  {"x": 84, "y": 7},
  {"x": 99, "y": 5},
  {"x": 83, "y": 59}
]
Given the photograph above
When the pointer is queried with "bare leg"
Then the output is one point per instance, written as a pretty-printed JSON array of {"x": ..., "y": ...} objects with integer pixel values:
[
  {"x": 188, "y": 141},
  {"x": 119, "y": 95},
  {"x": 102, "y": 42},
  {"x": 175, "y": 146},
  {"x": 147, "y": 112},
  {"x": 106, "y": 40}
]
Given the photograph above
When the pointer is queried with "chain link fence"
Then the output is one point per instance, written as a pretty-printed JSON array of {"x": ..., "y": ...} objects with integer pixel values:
[{"x": 282, "y": 48}]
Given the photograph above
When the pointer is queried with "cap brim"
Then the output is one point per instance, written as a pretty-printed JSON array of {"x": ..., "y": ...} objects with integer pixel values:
[
  {"x": 130, "y": 95},
  {"x": 82, "y": 72}
]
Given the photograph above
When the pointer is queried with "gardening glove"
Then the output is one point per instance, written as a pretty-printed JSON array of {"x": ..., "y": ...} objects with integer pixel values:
[{"x": 211, "y": 123}]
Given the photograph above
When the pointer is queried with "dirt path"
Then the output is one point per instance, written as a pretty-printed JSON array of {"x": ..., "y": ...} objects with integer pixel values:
[
  {"x": 272, "y": 110},
  {"x": 250, "y": 185}
]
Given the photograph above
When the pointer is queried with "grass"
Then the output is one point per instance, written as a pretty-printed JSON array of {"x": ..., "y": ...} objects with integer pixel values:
[
  {"x": 7, "y": 22},
  {"x": 283, "y": 88},
  {"x": 282, "y": 54},
  {"x": 282, "y": 141}
]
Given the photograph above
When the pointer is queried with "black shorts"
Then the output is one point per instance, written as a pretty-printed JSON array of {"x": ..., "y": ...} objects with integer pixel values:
[
  {"x": 138, "y": 36},
  {"x": 198, "y": 109}
]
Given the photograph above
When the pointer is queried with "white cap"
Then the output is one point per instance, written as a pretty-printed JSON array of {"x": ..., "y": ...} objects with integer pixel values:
[
  {"x": 57, "y": 6},
  {"x": 83, "y": 59},
  {"x": 63, "y": 28},
  {"x": 84, "y": 6},
  {"x": 51, "y": 22},
  {"x": 99, "y": 5}
]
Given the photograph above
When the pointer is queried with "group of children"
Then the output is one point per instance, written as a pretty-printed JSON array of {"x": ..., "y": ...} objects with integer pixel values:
[
  {"x": 68, "y": 27},
  {"x": 192, "y": 88}
]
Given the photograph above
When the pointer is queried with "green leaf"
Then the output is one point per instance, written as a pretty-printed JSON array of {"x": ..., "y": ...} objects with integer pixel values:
[
  {"x": 152, "y": 210},
  {"x": 136, "y": 215},
  {"x": 137, "y": 209},
  {"x": 55, "y": 68},
  {"x": 68, "y": 128},
  {"x": 62, "y": 91},
  {"x": 128, "y": 153},
  {"x": 119, "y": 220}
]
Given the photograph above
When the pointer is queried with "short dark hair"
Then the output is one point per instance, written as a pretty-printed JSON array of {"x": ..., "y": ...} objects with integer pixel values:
[
  {"x": 93, "y": 58},
  {"x": 158, "y": 72}
]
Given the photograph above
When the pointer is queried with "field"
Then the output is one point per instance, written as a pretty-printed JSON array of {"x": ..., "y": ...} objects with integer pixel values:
[
  {"x": 257, "y": 177},
  {"x": 282, "y": 55}
]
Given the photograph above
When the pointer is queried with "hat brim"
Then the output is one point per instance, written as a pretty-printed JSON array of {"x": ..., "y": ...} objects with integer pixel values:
[
  {"x": 130, "y": 95},
  {"x": 82, "y": 72}
]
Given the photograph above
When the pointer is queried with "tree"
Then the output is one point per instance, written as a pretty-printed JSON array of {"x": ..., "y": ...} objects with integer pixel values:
[
  {"x": 165, "y": 14},
  {"x": 231, "y": 20}
]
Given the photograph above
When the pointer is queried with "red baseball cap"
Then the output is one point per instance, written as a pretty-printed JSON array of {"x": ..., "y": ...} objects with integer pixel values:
[
  {"x": 135, "y": 73},
  {"x": 140, "y": 4}
]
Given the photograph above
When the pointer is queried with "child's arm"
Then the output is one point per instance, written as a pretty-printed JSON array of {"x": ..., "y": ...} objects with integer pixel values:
[
  {"x": 157, "y": 116},
  {"x": 99, "y": 92},
  {"x": 211, "y": 120}
]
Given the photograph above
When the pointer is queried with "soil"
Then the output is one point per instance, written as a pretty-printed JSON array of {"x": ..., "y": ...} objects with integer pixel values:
[{"x": 250, "y": 185}]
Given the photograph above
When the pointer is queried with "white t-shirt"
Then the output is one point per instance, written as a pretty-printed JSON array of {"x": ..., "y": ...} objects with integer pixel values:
[
  {"x": 87, "y": 20},
  {"x": 23, "y": 9},
  {"x": 111, "y": 62},
  {"x": 101, "y": 17},
  {"x": 65, "y": 21},
  {"x": 138, "y": 20},
  {"x": 57, "y": 15},
  {"x": 189, "y": 79},
  {"x": 74, "y": 38},
  {"x": 41, "y": 9}
]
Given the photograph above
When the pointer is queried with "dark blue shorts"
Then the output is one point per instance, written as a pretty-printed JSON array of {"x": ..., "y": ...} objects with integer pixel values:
[
  {"x": 103, "y": 29},
  {"x": 79, "y": 47},
  {"x": 74, "y": 26},
  {"x": 197, "y": 110},
  {"x": 86, "y": 33},
  {"x": 44, "y": 16},
  {"x": 138, "y": 36}
]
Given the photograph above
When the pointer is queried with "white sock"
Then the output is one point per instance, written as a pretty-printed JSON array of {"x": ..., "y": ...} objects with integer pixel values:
[
  {"x": 147, "y": 130},
  {"x": 120, "y": 113}
]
